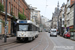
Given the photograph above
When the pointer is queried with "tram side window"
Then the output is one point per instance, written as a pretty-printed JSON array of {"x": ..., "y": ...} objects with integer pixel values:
[
  {"x": 34, "y": 28},
  {"x": 30, "y": 28},
  {"x": 37, "y": 29}
]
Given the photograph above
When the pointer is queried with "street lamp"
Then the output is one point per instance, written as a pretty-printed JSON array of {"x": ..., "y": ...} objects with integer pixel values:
[{"x": 5, "y": 37}]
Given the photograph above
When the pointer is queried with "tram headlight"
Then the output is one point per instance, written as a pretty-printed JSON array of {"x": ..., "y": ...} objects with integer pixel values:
[{"x": 22, "y": 33}]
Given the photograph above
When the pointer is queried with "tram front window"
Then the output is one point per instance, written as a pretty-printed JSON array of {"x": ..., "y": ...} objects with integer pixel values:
[{"x": 23, "y": 27}]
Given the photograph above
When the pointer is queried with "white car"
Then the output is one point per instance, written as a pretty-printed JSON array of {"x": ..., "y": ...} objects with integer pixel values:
[{"x": 53, "y": 32}]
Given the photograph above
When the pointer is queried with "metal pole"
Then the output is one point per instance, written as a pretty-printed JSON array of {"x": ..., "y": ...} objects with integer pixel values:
[
  {"x": 5, "y": 38},
  {"x": 74, "y": 15},
  {"x": 58, "y": 24}
]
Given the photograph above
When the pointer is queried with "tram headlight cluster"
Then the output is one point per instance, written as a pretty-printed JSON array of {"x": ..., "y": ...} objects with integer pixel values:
[{"x": 22, "y": 33}]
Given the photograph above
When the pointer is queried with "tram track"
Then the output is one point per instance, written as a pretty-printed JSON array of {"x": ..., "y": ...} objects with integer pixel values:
[
  {"x": 47, "y": 44},
  {"x": 37, "y": 44},
  {"x": 7, "y": 44},
  {"x": 14, "y": 46},
  {"x": 40, "y": 43},
  {"x": 11, "y": 45}
]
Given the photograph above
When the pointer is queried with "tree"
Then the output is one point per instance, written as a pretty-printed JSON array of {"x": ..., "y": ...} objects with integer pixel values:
[
  {"x": 1, "y": 7},
  {"x": 21, "y": 16}
]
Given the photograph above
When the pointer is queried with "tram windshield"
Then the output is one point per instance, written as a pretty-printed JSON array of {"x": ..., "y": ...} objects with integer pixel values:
[{"x": 23, "y": 27}]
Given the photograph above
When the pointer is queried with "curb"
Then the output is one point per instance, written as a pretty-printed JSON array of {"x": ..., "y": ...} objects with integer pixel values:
[
  {"x": 2, "y": 43},
  {"x": 65, "y": 38}
]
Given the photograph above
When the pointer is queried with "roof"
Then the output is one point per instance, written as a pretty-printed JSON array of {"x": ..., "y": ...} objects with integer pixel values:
[{"x": 49, "y": 20}]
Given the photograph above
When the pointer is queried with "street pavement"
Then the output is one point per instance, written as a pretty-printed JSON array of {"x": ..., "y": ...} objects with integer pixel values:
[
  {"x": 9, "y": 40},
  {"x": 43, "y": 42},
  {"x": 61, "y": 43}
]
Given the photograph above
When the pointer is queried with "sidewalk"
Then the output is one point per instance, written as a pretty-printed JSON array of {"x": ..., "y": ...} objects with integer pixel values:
[{"x": 9, "y": 40}]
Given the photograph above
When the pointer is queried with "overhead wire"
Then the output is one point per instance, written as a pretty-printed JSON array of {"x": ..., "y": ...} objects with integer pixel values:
[{"x": 45, "y": 8}]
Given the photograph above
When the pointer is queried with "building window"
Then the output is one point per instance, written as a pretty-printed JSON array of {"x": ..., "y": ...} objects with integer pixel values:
[
  {"x": 19, "y": 2},
  {"x": 17, "y": 12},
  {"x": 14, "y": 10},
  {"x": 36, "y": 12},
  {"x": 63, "y": 22},
  {"x": 68, "y": 22},
  {"x": 63, "y": 15},
  {"x": 9, "y": 7}
]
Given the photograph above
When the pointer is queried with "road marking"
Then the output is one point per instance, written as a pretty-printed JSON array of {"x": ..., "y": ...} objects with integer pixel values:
[
  {"x": 47, "y": 44},
  {"x": 52, "y": 42},
  {"x": 38, "y": 44}
]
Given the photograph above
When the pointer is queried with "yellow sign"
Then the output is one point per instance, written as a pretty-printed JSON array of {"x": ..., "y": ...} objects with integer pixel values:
[{"x": 32, "y": 20}]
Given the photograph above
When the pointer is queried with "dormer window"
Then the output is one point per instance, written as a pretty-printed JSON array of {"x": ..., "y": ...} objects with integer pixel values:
[{"x": 2, "y": 2}]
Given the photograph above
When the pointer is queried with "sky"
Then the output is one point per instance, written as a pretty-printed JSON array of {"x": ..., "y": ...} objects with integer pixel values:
[{"x": 46, "y": 7}]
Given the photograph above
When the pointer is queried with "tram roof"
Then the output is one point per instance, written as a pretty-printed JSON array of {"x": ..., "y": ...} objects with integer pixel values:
[{"x": 27, "y": 22}]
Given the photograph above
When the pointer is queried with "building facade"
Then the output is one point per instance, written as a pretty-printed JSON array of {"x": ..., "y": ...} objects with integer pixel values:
[
  {"x": 37, "y": 16},
  {"x": 15, "y": 6},
  {"x": 62, "y": 19},
  {"x": 55, "y": 17},
  {"x": 32, "y": 14},
  {"x": 70, "y": 14},
  {"x": 66, "y": 17}
]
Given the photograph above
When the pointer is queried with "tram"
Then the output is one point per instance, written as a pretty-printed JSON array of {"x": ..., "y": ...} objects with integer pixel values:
[{"x": 26, "y": 30}]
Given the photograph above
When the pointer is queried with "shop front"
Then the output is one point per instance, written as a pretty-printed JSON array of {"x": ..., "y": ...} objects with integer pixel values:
[
  {"x": 2, "y": 25},
  {"x": 71, "y": 27}
]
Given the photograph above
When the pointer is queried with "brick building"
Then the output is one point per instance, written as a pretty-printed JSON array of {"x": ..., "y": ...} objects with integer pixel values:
[{"x": 15, "y": 6}]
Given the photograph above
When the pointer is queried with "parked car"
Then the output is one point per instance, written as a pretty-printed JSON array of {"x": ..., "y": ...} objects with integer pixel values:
[
  {"x": 67, "y": 35},
  {"x": 53, "y": 32}
]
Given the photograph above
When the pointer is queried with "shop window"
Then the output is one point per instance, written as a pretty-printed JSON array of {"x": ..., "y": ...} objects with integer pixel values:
[{"x": 7, "y": 26}]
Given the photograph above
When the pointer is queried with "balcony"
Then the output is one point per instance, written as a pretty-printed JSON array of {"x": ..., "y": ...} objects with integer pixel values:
[
  {"x": 68, "y": 10},
  {"x": 68, "y": 3},
  {"x": 68, "y": 18}
]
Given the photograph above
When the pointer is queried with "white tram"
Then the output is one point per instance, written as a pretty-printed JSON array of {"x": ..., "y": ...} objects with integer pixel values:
[{"x": 26, "y": 30}]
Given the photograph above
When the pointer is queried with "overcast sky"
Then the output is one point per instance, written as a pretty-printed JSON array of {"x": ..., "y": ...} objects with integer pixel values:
[{"x": 46, "y": 7}]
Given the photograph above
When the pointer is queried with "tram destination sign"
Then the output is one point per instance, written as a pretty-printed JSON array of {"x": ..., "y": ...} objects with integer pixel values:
[{"x": 22, "y": 21}]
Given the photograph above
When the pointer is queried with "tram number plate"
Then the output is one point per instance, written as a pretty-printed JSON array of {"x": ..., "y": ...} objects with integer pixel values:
[{"x": 22, "y": 36}]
